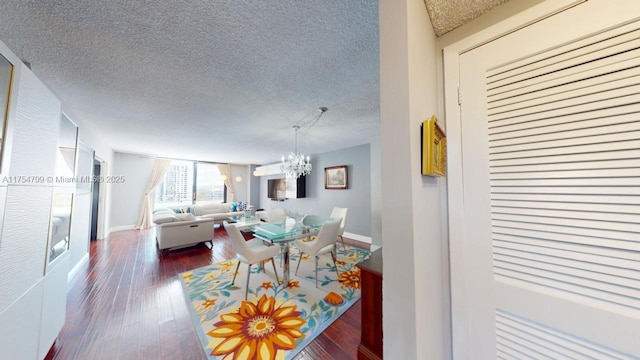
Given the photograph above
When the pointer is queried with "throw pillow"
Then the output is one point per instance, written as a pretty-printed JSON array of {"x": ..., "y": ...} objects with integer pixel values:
[
  {"x": 191, "y": 210},
  {"x": 242, "y": 206},
  {"x": 185, "y": 217},
  {"x": 178, "y": 211},
  {"x": 233, "y": 206}
]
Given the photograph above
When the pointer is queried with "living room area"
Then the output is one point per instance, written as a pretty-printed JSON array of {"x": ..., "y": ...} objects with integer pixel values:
[{"x": 239, "y": 84}]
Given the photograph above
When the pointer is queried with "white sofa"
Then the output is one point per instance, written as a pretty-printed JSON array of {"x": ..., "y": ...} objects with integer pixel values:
[
  {"x": 174, "y": 231},
  {"x": 217, "y": 212}
]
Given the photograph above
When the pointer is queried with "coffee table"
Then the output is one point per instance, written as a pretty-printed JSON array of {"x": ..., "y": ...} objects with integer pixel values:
[{"x": 243, "y": 223}]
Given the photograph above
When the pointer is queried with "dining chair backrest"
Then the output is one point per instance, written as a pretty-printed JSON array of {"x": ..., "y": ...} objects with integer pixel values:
[
  {"x": 340, "y": 213},
  {"x": 238, "y": 243},
  {"x": 313, "y": 220},
  {"x": 328, "y": 234}
]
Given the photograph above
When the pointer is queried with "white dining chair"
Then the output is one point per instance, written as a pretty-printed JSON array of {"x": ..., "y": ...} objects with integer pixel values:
[
  {"x": 250, "y": 252},
  {"x": 324, "y": 243},
  {"x": 340, "y": 213}
]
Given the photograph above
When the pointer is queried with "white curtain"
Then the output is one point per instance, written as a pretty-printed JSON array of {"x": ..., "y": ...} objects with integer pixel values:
[
  {"x": 225, "y": 170},
  {"x": 160, "y": 167}
]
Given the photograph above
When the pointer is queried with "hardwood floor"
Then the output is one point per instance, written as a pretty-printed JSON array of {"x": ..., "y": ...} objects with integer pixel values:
[{"x": 126, "y": 303}]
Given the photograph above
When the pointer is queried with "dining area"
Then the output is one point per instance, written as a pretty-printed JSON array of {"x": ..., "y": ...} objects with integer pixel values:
[{"x": 261, "y": 238}]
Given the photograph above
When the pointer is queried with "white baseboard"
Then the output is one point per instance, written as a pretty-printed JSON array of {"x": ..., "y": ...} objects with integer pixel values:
[
  {"x": 122, "y": 228},
  {"x": 74, "y": 271},
  {"x": 361, "y": 238}
]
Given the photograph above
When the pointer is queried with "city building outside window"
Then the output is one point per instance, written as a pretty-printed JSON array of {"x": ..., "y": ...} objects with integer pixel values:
[{"x": 190, "y": 182}]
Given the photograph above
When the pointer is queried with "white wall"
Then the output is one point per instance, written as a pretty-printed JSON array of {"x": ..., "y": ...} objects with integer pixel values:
[
  {"x": 376, "y": 193},
  {"x": 415, "y": 277},
  {"x": 81, "y": 213},
  {"x": 126, "y": 197},
  {"x": 241, "y": 188},
  {"x": 32, "y": 301}
]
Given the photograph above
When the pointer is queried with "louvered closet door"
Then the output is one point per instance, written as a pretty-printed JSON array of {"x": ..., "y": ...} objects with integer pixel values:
[{"x": 551, "y": 162}]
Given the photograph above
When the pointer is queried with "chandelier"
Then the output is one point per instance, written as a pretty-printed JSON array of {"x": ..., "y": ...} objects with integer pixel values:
[{"x": 295, "y": 164}]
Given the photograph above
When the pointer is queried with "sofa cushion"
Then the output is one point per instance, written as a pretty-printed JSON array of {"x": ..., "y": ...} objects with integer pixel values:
[
  {"x": 185, "y": 217},
  {"x": 205, "y": 209},
  {"x": 164, "y": 217}
]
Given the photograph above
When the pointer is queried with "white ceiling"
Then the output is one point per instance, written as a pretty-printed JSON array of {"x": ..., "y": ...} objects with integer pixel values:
[{"x": 221, "y": 80}]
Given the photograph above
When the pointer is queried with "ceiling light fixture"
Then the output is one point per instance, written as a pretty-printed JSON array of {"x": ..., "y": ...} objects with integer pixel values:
[{"x": 295, "y": 164}]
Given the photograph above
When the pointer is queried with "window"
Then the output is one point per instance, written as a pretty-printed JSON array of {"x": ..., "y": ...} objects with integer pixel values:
[
  {"x": 189, "y": 182},
  {"x": 209, "y": 185}
]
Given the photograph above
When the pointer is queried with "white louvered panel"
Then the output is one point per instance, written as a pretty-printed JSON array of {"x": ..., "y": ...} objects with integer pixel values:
[
  {"x": 601, "y": 299},
  {"x": 554, "y": 55},
  {"x": 582, "y": 165},
  {"x": 599, "y": 287},
  {"x": 606, "y": 129},
  {"x": 572, "y": 268},
  {"x": 572, "y": 61},
  {"x": 612, "y": 208},
  {"x": 565, "y": 222},
  {"x": 568, "y": 214},
  {"x": 564, "y": 161},
  {"x": 622, "y": 155},
  {"x": 515, "y": 350},
  {"x": 567, "y": 122},
  {"x": 568, "y": 104},
  {"x": 568, "y": 182},
  {"x": 514, "y": 332},
  {"x": 566, "y": 79},
  {"x": 569, "y": 174},
  {"x": 569, "y": 150},
  {"x": 627, "y": 132},
  {"x": 562, "y": 235},
  {"x": 618, "y": 80},
  {"x": 530, "y": 247},
  {"x": 588, "y": 236},
  {"x": 512, "y": 337},
  {"x": 569, "y": 198}
]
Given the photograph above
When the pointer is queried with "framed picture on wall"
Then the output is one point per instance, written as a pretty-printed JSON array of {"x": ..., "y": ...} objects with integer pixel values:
[
  {"x": 335, "y": 177},
  {"x": 434, "y": 148}
]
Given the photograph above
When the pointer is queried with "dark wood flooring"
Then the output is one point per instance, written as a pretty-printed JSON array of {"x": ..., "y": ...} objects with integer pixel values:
[{"x": 127, "y": 303}]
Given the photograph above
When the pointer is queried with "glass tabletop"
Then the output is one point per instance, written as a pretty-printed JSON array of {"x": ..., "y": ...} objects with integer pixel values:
[{"x": 289, "y": 229}]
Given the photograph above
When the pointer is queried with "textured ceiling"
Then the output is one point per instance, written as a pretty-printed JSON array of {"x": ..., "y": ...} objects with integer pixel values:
[
  {"x": 218, "y": 80},
  {"x": 447, "y": 15},
  {"x": 215, "y": 80}
]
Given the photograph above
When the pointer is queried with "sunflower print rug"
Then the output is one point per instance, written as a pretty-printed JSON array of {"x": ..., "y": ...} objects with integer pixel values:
[{"x": 277, "y": 320}]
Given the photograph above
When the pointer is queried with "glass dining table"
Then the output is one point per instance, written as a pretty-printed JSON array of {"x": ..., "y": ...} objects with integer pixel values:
[{"x": 284, "y": 233}]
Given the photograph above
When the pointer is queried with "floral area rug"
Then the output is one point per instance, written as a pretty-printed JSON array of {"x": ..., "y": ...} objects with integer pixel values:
[{"x": 277, "y": 320}]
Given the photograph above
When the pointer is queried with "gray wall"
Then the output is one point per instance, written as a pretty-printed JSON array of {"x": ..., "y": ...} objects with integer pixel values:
[
  {"x": 254, "y": 197},
  {"x": 126, "y": 197},
  {"x": 318, "y": 200}
]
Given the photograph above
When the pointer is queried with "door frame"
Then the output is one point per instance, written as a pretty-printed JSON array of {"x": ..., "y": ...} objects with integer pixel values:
[
  {"x": 102, "y": 188},
  {"x": 455, "y": 188}
]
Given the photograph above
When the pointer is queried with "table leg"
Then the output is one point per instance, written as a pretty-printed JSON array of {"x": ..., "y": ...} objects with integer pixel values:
[{"x": 285, "y": 262}]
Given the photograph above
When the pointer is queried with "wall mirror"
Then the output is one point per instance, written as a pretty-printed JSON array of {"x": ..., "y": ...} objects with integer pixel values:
[
  {"x": 67, "y": 145},
  {"x": 6, "y": 69},
  {"x": 60, "y": 224}
]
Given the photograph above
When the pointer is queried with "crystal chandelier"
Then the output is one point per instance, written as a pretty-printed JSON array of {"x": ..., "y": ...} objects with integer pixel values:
[{"x": 295, "y": 164}]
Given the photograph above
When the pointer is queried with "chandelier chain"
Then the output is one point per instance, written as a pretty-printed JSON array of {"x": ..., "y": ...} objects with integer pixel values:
[{"x": 295, "y": 165}]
